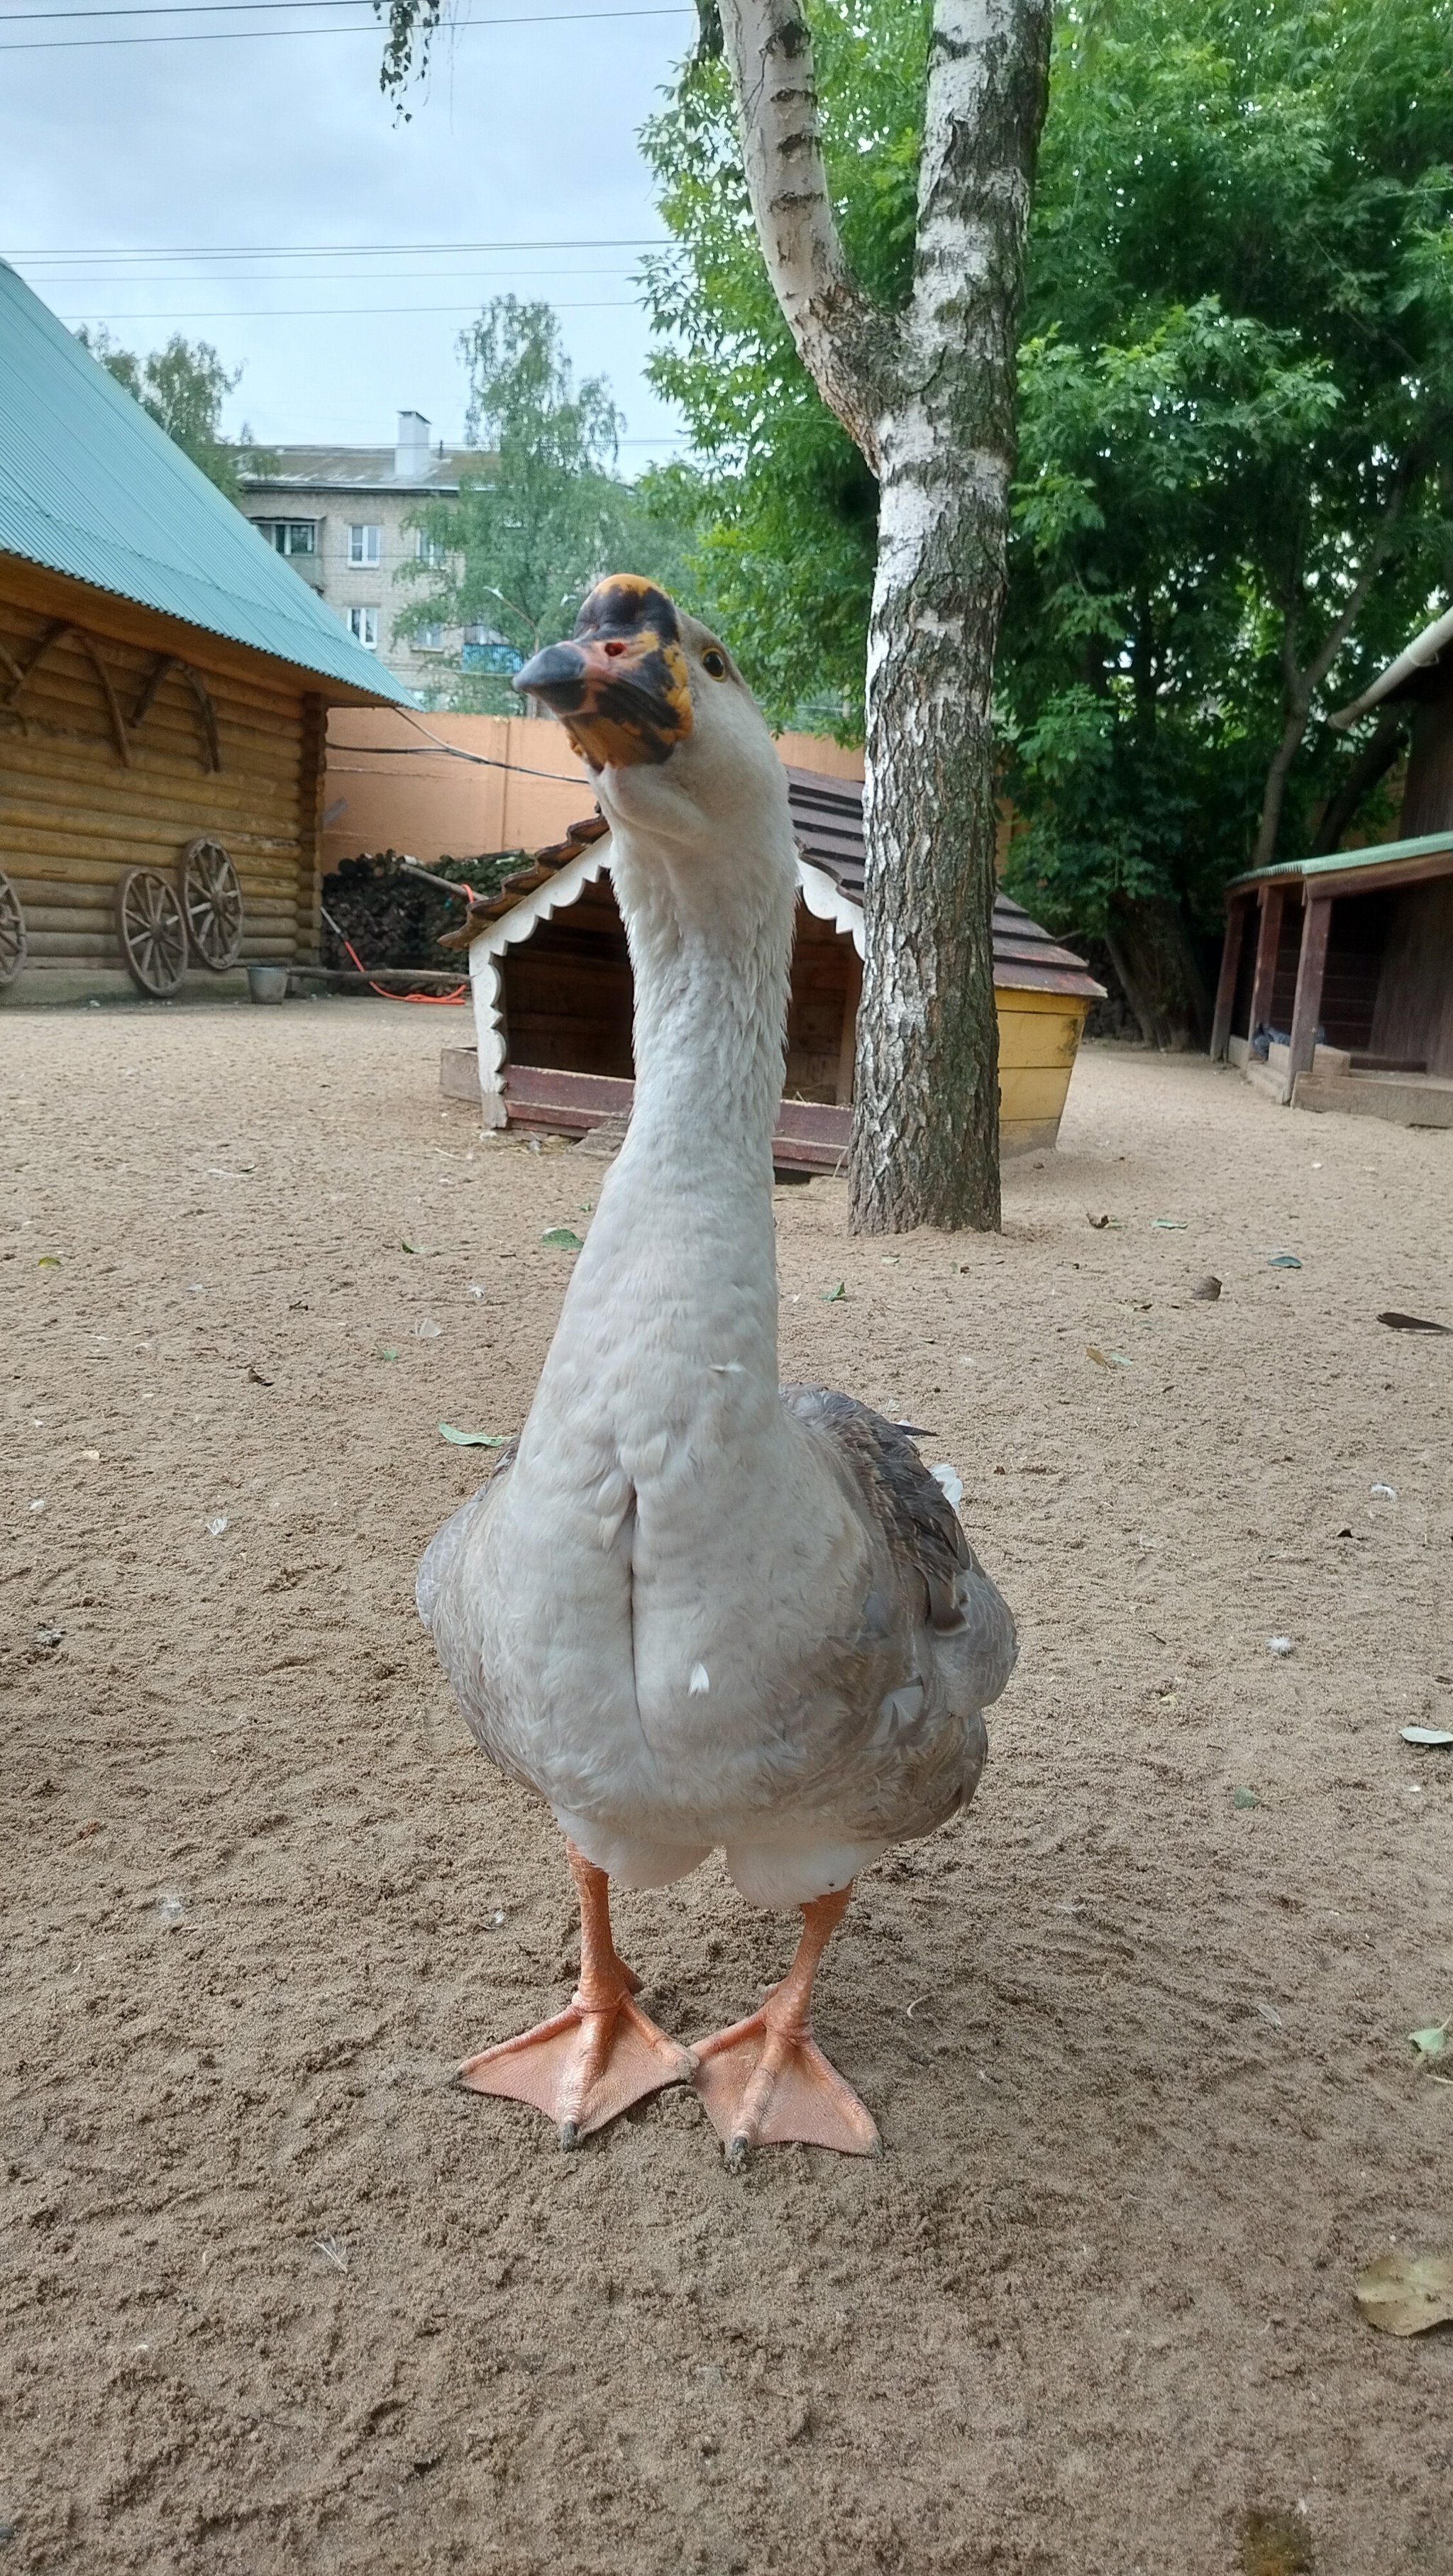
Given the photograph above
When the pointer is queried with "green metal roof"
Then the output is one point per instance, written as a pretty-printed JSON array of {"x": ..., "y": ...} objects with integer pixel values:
[
  {"x": 91, "y": 487},
  {"x": 1341, "y": 863}
]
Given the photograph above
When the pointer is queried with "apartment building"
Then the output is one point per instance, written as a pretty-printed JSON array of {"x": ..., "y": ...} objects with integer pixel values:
[{"x": 339, "y": 515}]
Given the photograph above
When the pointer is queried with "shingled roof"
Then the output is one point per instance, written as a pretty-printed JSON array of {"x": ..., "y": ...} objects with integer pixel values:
[{"x": 827, "y": 814}]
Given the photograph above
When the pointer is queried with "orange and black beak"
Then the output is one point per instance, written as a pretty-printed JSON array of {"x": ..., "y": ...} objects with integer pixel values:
[{"x": 620, "y": 687}]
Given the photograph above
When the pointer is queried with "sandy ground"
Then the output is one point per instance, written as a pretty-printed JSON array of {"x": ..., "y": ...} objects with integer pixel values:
[{"x": 277, "y": 2298}]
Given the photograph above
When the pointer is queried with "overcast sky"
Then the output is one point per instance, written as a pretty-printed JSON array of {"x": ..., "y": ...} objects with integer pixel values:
[{"x": 282, "y": 143}]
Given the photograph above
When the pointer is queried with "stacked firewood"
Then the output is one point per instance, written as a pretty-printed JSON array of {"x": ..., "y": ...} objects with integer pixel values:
[{"x": 395, "y": 918}]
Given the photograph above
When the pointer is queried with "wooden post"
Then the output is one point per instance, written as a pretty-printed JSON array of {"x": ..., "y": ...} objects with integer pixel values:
[
  {"x": 1236, "y": 916},
  {"x": 1268, "y": 940},
  {"x": 1311, "y": 966}
]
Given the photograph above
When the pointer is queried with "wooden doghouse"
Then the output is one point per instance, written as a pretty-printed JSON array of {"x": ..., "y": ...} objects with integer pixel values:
[
  {"x": 1341, "y": 968},
  {"x": 553, "y": 997},
  {"x": 164, "y": 686}
]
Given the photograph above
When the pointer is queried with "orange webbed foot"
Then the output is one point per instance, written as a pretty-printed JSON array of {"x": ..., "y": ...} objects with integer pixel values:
[
  {"x": 766, "y": 2087},
  {"x": 583, "y": 2067},
  {"x": 765, "y": 2082},
  {"x": 602, "y": 2053}
]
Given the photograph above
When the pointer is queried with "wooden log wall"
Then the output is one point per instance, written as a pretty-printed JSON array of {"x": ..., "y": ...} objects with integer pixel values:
[{"x": 107, "y": 755}]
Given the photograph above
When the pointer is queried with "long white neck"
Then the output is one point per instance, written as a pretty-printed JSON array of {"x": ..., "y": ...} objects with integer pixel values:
[
  {"x": 709, "y": 950},
  {"x": 679, "y": 1268}
]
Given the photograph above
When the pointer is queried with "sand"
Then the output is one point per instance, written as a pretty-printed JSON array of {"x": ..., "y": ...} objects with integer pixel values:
[{"x": 277, "y": 2298}]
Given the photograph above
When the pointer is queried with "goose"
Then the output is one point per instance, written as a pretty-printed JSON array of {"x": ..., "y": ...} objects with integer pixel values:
[{"x": 691, "y": 1609}]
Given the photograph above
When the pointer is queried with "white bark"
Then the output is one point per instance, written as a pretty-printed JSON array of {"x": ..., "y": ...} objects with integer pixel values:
[
  {"x": 834, "y": 324},
  {"x": 928, "y": 395}
]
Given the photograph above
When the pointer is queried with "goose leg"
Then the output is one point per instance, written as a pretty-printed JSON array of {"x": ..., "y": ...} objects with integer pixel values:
[
  {"x": 765, "y": 2082},
  {"x": 602, "y": 2053}
]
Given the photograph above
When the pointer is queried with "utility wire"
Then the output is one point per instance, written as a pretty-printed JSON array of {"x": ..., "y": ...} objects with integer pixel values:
[
  {"x": 332, "y": 250},
  {"x": 324, "y": 312},
  {"x": 365, "y": 27}
]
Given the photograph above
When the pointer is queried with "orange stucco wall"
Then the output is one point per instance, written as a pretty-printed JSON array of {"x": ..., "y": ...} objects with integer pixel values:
[{"x": 389, "y": 786}]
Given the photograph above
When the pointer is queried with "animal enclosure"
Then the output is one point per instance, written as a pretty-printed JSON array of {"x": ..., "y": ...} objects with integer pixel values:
[{"x": 554, "y": 997}]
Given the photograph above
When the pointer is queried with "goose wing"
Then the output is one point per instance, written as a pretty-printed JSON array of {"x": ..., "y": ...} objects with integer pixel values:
[{"x": 941, "y": 1584}]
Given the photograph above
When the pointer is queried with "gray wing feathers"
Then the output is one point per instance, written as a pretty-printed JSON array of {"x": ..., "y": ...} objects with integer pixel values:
[
  {"x": 970, "y": 1620},
  {"x": 440, "y": 1557}
]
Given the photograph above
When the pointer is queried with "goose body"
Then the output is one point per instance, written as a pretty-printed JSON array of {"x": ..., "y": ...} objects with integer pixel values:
[{"x": 694, "y": 1609}]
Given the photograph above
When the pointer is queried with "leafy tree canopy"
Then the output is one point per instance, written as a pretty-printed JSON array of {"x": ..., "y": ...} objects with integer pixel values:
[
  {"x": 1236, "y": 413},
  {"x": 543, "y": 514},
  {"x": 183, "y": 387}
]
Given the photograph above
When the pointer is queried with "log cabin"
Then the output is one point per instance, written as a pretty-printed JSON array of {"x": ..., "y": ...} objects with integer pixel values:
[
  {"x": 1336, "y": 985},
  {"x": 165, "y": 681},
  {"x": 553, "y": 996}
]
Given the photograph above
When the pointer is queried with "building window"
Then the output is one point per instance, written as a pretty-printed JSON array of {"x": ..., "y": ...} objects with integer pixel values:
[
  {"x": 483, "y": 650},
  {"x": 289, "y": 536},
  {"x": 430, "y": 639},
  {"x": 428, "y": 550},
  {"x": 363, "y": 545},
  {"x": 363, "y": 627}
]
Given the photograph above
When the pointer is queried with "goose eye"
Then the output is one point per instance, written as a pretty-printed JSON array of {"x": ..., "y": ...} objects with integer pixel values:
[{"x": 715, "y": 663}]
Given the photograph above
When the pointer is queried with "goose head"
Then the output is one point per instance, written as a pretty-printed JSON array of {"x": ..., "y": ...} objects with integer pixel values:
[{"x": 676, "y": 745}]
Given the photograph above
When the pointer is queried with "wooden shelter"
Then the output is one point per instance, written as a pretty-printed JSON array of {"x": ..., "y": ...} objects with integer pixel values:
[
  {"x": 1336, "y": 987},
  {"x": 553, "y": 995},
  {"x": 164, "y": 686}
]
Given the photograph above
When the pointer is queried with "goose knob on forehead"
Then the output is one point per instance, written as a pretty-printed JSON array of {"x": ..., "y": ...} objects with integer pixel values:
[{"x": 693, "y": 1609}]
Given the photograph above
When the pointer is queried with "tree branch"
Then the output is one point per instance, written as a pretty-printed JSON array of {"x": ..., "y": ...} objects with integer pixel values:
[
  {"x": 1302, "y": 684},
  {"x": 1371, "y": 763},
  {"x": 844, "y": 339}
]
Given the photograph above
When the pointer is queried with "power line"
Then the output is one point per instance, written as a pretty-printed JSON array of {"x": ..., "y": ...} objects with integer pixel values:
[
  {"x": 366, "y": 27},
  {"x": 332, "y": 250},
  {"x": 319, "y": 277},
  {"x": 326, "y": 312}
]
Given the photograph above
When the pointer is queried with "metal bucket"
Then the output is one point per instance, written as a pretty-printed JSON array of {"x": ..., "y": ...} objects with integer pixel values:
[{"x": 268, "y": 983}]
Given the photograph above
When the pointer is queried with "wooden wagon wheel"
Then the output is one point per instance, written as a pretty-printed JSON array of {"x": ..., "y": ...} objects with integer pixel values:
[
  {"x": 212, "y": 900},
  {"x": 13, "y": 942},
  {"x": 152, "y": 929}
]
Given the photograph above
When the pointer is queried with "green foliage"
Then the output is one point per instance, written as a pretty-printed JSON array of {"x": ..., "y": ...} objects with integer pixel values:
[
  {"x": 542, "y": 515},
  {"x": 183, "y": 388},
  {"x": 783, "y": 508},
  {"x": 1236, "y": 396}
]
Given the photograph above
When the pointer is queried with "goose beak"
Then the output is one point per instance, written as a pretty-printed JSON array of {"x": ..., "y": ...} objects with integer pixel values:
[{"x": 620, "y": 686}]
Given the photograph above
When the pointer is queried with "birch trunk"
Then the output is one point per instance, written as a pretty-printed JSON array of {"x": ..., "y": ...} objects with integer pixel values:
[{"x": 928, "y": 394}]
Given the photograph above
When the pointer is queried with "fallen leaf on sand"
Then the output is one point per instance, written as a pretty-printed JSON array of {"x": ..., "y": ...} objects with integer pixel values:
[
  {"x": 1282, "y": 1261},
  {"x": 49, "y": 1261},
  {"x": 564, "y": 1238},
  {"x": 831, "y": 1296},
  {"x": 1430, "y": 2043},
  {"x": 473, "y": 1439},
  {"x": 1412, "y": 1323},
  {"x": 1404, "y": 2294},
  {"x": 1093, "y": 1352},
  {"x": 1244, "y": 1798},
  {"x": 1169, "y": 1224},
  {"x": 1409, "y": 1734},
  {"x": 1274, "y": 2543}
]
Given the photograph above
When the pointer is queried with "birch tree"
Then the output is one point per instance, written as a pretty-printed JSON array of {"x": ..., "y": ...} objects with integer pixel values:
[
  {"x": 927, "y": 394},
  {"x": 926, "y": 391}
]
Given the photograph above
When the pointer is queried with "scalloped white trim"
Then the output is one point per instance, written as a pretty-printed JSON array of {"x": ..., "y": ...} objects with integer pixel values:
[
  {"x": 821, "y": 896},
  {"x": 826, "y": 903}
]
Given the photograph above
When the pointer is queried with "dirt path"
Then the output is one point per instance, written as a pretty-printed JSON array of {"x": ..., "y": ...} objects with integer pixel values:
[{"x": 276, "y": 2298}]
